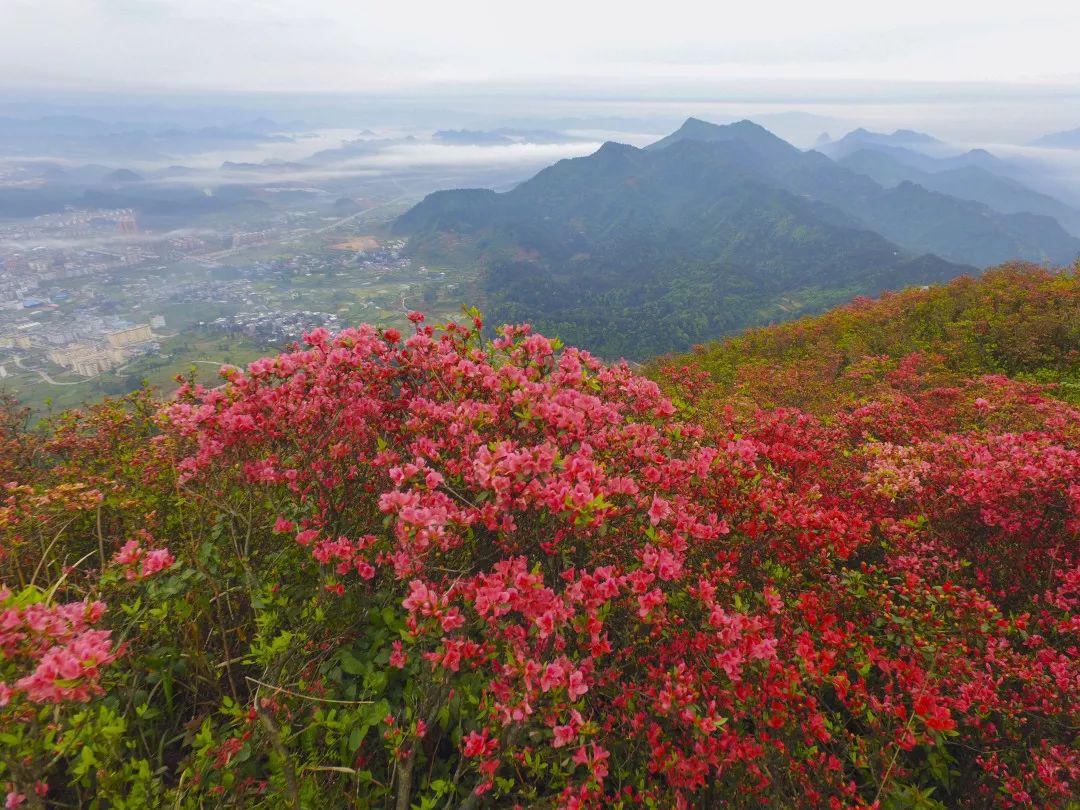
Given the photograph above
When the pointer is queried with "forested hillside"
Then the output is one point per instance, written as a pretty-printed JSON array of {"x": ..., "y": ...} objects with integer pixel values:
[
  {"x": 915, "y": 216},
  {"x": 437, "y": 571},
  {"x": 633, "y": 252}
]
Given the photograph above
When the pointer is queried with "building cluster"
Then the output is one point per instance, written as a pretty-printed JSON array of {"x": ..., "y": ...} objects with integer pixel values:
[
  {"x": 88, "y": 359},
  {"x": 245, "y": 238},
  {"x": 276, "y": 328},
  {"x": 188, "y": 244},
  {"x": 81, "y": 291},
  {"x": 388, "y": 255},
  {"x": 84, "y": 344}
]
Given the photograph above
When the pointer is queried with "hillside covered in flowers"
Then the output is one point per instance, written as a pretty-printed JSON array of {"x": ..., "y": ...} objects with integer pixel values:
[
  {"x": 830, "y": 564},
  {"x": 1017, "y": 320}
]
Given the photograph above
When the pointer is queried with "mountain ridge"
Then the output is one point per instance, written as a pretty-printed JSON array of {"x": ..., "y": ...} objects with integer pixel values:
[
  {"x": 633, "y": 251},
  {"x": 708, "y": 230}
]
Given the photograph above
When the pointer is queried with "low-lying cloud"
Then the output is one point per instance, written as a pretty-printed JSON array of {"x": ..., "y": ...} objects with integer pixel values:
[
  {"x": 101, "y": 242},
  {"x": 391, "y": 159},
  {"x": 424, "y": 154}
]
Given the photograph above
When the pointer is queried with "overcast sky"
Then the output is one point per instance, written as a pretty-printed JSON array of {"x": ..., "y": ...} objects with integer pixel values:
[{"x": 359, "y": 45}]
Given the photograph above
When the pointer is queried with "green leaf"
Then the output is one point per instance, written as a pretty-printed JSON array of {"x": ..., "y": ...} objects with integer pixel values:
[
  {"x": 351, "y": 664},
  {"x": 356, "y": 738}
]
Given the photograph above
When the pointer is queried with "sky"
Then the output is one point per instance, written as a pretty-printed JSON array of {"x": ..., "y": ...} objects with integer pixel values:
[{"x": 386, "y": 46}]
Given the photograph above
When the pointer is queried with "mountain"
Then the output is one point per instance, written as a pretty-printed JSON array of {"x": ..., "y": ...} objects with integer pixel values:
[
  {"x": 978, "y": 158},
  {"x": 636, "y": 251},
  {"x": 915, "y": 150},
  {"x": 89, "y": 174},
  {"x": 905, "y": 139},
  {"x": 961, "y": 230},
  {"x": 1070, "y": 139},
  {"x": 708, "y": 230},
  {"x": 122, "y": 176},
  {"x": 910, "y": 136},
  {"x": 763, "y": 143},
  {"x": 912, "y": 216},
  {"x": 357, "y": 148},
  {"x": 346, "y": 206},
  {"x": 968, "y": 182},
  {"x": 87, "y": 138}
]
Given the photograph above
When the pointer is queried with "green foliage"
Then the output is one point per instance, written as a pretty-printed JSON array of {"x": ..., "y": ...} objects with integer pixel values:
[{"x": 1018, "y": 320}]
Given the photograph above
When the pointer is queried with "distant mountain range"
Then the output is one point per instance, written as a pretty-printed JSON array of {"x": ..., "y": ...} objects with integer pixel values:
[
  {"x": 80, "y": 137},
  {"x": 911, "y": 215},
  {"x": 122, "y": 176},
  {"x": 967, "y": 182},
  {"x": 166, "y": 196},
  {"x": 710, "y": 229},
  {"x": 1034, "y": 171},
  {"x": 864, "y": 138},
  {"x": 1070, "y": 139},
  {"x": 470, "y": 137}
]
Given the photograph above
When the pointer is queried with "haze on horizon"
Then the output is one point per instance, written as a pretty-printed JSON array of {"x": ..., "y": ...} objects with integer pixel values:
[{"x": 365, "y": 46}]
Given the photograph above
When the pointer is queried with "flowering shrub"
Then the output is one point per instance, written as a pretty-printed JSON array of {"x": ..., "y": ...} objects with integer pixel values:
[
  {"x": 437, "y": 571},
  {"x": 55, "y": 646},
  {"x": 1019, "y": 320},
  {"x": 138, "y": 563},
  {"x": 50, "y": 655}
]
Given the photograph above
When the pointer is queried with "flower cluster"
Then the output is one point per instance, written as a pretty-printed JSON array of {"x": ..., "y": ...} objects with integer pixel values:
[
  {"x": 55, "y": 646},
  {"x": 774, "y": 606},
  {"x": 140, "y": 563}
]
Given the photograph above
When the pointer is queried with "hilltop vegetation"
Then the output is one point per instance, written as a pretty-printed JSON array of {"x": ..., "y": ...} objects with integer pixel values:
[
  {"x": 1018, "y": 321},
  {"x": 435, "y": 571},
  {"x": 633, "y": 252}
]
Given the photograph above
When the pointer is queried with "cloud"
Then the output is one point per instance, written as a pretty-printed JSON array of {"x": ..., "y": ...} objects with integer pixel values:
[
  {"x": 370, "y": 45},
  {"x": 102, "y": 242},
  {"x": 421, "y": 155},
  {"x": 1052, "y": 171},
  {"x": 267, "y": 176},
  {"x": 396, "y": 159}
]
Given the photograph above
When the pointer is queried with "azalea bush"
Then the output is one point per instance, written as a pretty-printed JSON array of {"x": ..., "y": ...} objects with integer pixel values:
[
  {"x": 1018, "y": 320},
  {"x": 441, "y": 571}
]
